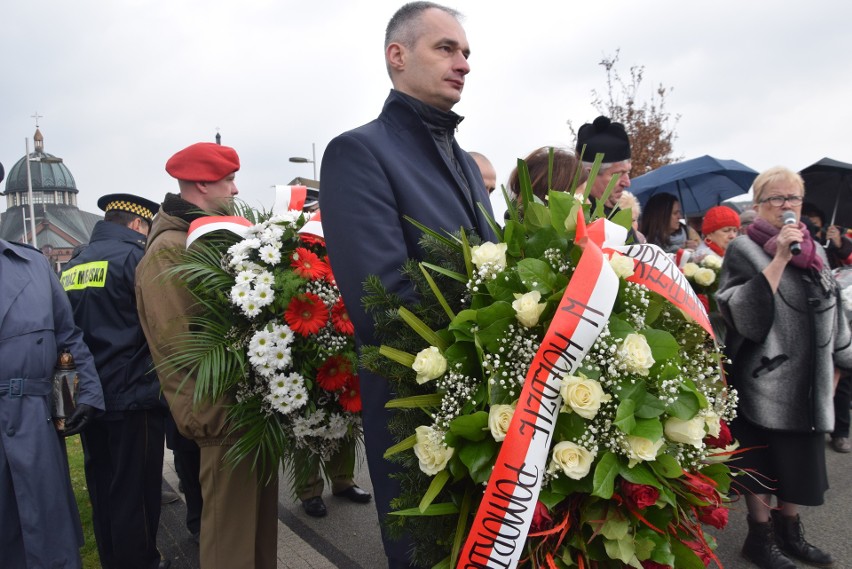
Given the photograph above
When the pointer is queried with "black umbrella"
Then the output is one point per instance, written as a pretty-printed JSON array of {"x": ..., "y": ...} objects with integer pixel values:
[{"x": 828, "y": 185}]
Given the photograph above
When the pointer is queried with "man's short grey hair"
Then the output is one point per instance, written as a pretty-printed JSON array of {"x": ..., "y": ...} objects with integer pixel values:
[
  {"x": 604, "y": 165},
  {"x": 403, "y": 27}
]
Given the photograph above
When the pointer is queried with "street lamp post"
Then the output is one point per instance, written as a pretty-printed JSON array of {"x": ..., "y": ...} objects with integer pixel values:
[{"x": 301, "y": 160}]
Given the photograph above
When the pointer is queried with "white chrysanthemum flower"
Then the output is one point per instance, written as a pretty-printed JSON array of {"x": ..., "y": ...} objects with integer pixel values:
[
  {"x": 264, "y": 295},
  {"x": 245, "y": 277},
  {"x": 261, "y": 342},
  {"x": 299, "y": 397},
  {"x": 253, "y": 243},
  {"x": 270, "y": 254},
  {"x": 280, "y": 356},
  {"x": 250, "y": 306},
  {"x": 265, "y": 278},
  {"x": 282, "y": 334},
  {"x": 240, "y": 293},
  {"x": 294, "y": 381}
]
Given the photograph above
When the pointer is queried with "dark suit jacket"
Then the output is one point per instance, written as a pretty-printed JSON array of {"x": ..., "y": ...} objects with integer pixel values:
[
  {"x": 371, "y": 177},
  {"x": 374, "y": 175}
]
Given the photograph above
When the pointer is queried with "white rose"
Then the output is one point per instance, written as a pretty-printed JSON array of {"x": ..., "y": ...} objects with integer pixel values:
[
  {"x": 429, "y": 364},
  {"x": 572, "y": 459},
  {"x": 640, "y": 449},
  {"x": 431, "y": 450},
  {"x": 488, "y": 252},
  {"x": 689, "y": 269},
  {"x": 714, "y": 424},
  {"x": 499, "y": 418},
  {"x": 622, "y": 265},
  {"x": 528, "y": 309},
  {"x": 582, "y": 396},
  {"x": 688, "y": 432},
  {"x": 704, "y": 276},
  {"x": 636, "y": 354},
  {"x": 712, "y": 262}
]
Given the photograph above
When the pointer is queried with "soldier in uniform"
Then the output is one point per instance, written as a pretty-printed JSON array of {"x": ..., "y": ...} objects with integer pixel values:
[
  {"x": 123, "y": 448},
  {"x": 38, "y": 514}
]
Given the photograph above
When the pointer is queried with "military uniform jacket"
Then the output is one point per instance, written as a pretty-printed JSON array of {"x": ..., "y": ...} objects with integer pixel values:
[
  {"x": 100, "y": 282},
  {"x": 38, "y": 514}
]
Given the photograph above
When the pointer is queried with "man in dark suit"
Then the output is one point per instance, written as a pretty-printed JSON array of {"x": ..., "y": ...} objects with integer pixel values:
[{"x": 406, "y": 162}]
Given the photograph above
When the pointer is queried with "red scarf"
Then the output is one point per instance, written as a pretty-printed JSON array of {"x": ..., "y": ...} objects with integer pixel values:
[{"x": 715, "y": 248}]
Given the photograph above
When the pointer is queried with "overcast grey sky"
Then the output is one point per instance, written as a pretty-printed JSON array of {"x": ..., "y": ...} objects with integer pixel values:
[{"x": 123, "y": 84}]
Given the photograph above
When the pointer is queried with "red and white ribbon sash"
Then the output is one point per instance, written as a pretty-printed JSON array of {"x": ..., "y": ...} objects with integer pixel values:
[
  {"x": 656, "y": 270},
  {"x": 499, "y": 531},
  {"x": 313, "y": 226},
  {"x": 289, "y": 198},
  {"x": 204, "y": 225}
]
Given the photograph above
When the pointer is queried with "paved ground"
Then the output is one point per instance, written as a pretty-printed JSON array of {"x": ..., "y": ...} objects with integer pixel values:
[{"x": 348, "y": 538}]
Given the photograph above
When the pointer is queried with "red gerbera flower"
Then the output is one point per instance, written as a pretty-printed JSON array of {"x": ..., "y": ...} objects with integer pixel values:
[
  {"x": 340, "y": 318},
  {"x": 335, "y": 373},
  {"x": 350, "y": 397},
  {"x": 306, "y": 314},
  {"x": 311, "y": 239},
  {"x": 307, "y": 264}
]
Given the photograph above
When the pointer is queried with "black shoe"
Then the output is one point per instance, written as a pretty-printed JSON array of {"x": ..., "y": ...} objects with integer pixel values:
[
  {"x": 760, "y": 547},
  {"x": 355, "y": 494},
  {"x": 841, "y": 444},
  {"x": 314, "y": 507},
  {"x": 164, "y": 564},
  {"x": 790, "y": 535}
]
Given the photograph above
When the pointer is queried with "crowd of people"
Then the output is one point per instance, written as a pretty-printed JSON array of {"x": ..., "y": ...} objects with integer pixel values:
[{"x": 119, "y": 311}]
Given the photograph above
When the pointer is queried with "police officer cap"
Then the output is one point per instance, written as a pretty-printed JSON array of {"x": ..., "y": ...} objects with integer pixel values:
[
  {"x": 606, "y": 137},
  {"x": 203, "y": 162},
  {"x": 129, "y": 203}
]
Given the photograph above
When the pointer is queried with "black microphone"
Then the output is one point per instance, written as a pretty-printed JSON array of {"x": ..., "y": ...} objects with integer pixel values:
[{"x": 790, "y": 219}]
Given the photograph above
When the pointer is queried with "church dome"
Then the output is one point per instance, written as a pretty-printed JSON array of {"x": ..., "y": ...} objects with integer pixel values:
[{"x": 48, "y": 172}]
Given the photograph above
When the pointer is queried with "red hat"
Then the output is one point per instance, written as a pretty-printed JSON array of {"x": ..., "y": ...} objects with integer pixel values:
[
  {"x": 718, "y": 217},
  {"x": 203, "y": 162}
]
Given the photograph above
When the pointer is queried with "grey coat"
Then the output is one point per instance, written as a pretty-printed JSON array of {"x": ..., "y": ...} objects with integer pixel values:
[
  {"x": 38, "y": 513},
  {"x": 783, "y": 346}
]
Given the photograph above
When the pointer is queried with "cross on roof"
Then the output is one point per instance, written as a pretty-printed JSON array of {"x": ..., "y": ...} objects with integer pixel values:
[{"x": 37, "y": 116}]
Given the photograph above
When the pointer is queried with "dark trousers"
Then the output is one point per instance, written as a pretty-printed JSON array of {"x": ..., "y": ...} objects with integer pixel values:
[
  {"x": 188, "y": 467},
  {"x": 124, "y": 472},
  {"x": 842, "y": 397}
]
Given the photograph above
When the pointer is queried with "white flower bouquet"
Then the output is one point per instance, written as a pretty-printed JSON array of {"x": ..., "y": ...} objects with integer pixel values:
[{"x": 542, "y": 428}]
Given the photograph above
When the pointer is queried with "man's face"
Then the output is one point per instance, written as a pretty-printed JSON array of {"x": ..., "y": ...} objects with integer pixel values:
[
  {"x": 434, "y": 69},
  {"x": 218, "y": 196},
  {"x": 489, "y": 176},
  {"x": 603, "y": 178}
]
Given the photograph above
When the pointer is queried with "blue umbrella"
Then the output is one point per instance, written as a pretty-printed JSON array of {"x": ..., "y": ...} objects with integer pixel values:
[{"x": 699, "y": 184}]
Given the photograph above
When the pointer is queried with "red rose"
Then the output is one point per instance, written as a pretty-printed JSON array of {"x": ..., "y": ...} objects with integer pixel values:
[
  {"x": 541, "y": 518},
  {"x": 723, "y": 440},
  {"x": 714, "y": 516},
  {"x": 639, "y": 495}
]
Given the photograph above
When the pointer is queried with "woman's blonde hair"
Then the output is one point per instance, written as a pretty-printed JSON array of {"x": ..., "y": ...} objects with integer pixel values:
[{"x": 774, "y": 175}]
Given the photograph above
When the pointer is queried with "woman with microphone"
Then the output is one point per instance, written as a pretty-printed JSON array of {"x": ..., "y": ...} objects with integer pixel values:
[{"x": 786, "y": 333}]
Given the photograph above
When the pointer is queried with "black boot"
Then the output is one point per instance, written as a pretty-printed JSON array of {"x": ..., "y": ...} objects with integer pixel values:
[
  {"x": 760, "y": 547},
  {"x": 790, "y": 535}
]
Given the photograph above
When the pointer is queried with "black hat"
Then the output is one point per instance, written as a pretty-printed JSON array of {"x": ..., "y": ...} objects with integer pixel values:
[
  {"x": 2, "y": 172},
  {"x": 129, "y": 203},
  {"x": 606, "y": 137}
]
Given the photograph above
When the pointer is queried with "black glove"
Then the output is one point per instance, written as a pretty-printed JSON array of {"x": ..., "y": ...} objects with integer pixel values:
[{"x": 78, "y": 420}]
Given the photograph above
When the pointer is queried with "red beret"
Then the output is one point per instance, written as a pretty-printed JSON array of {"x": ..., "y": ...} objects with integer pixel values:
[
  {"x": 203, "y": 162},
  {"x": 718, "y": 217}
]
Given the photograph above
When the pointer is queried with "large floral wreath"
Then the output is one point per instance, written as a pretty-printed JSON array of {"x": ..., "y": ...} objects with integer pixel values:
[
  {"x": 633, "y": 433},
  {"x": 274, "y": 336}
]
